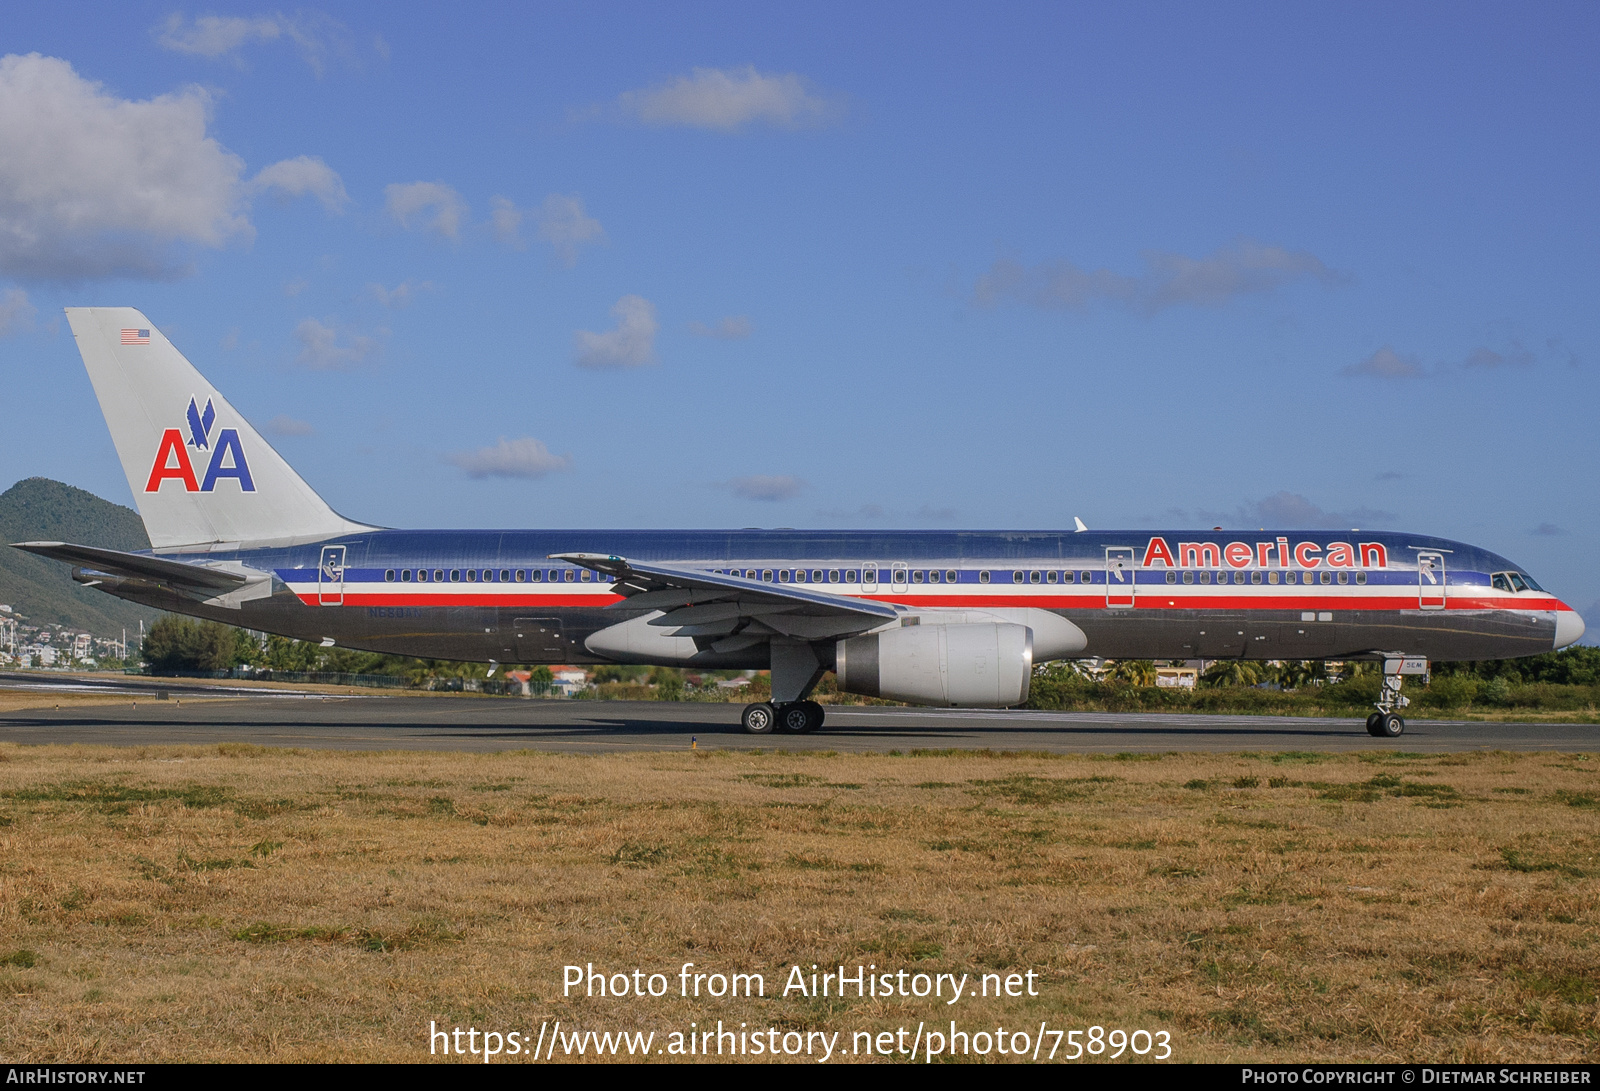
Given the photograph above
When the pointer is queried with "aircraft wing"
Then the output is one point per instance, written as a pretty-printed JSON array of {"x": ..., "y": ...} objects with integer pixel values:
[
  {"x": 725, "y": 608},
  {"x": 139, "y": 566}
]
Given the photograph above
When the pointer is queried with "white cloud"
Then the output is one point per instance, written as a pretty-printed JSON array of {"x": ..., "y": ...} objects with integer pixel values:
[
  {"x": 1386, "y": 363},
  {"x": 1288, "y": 510},
  {"x": 1486, "y": 358},
  {"x": 728, "y": 99},
  {"x": 292, "y": 288},
  {"x": 565, "y": 226},
  {"x": 402, "y": 294},
  {"x": 92, "y": 185},
  {"x": 506, "y": 220},
  {"x": 16, "y": 312},
  {"x": 215, "y": 36},
  {"x": 766, "y": 487},
  {"x": 631, "y": 344},
  {"x": 289, "y": 426},
  {"x": 733, "y": 328},
  {"x": 1245, "y": 267},
  {"x": 433, "y": 206},
  {"x": 526, "y": 457},
  {"x": 304, "y": 174},
  {"x": 320, "y": 349}
]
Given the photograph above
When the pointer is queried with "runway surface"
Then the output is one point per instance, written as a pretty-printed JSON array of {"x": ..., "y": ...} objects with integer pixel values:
[{"x": 492, "y": 724}]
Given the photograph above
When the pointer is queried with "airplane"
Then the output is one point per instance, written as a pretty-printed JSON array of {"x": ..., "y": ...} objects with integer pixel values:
[{"x": 952, "y": 619}]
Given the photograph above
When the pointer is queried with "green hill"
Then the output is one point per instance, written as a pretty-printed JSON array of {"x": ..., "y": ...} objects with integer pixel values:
[{"x": 41, "y": 510}]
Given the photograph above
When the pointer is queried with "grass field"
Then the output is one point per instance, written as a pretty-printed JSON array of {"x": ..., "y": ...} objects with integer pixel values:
[{"x": 236, "y": 903}]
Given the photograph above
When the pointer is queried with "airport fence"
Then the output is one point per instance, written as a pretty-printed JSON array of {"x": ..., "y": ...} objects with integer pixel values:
[{"x": 498, "y": 687}]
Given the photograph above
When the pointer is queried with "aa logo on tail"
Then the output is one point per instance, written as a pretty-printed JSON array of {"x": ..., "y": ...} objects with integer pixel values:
[{"x": 227, "y": 459}]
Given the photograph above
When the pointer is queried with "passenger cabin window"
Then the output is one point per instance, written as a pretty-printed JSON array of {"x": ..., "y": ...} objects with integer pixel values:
[
  {"x": 472, "y": 575},
  {"x": 1172, "y": 577},
  {"x": 1361, "y": 577},
  {"x": 1188, "y": 577},
  {"x": 983, "y": 577},
  {"x": 1344, "y": 577},
  {"x": 405, "y": 575},
  {"x": 1205, "y": 577},
  {"x": 1327, "y": 577},
  {"x": 1016, "y": 577},
  {"x": 1272, "y": 577},
  {"x": 1255, "y": 577},
  {"x": 522, "y": 575},
  {"x": 950, "y": 575},
  {"x": 849, "y": 576},
  {"x": 568, "y": 576},
  {"x": 1034, "y": 577},
  {"x": 438, "y": 574}
]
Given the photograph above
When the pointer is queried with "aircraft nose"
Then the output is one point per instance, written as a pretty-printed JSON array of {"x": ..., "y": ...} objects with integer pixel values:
[{"x": 1569, "y": 628}]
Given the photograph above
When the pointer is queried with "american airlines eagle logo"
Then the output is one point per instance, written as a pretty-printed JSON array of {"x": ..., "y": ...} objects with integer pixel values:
[{"x": 226, "y": 455}]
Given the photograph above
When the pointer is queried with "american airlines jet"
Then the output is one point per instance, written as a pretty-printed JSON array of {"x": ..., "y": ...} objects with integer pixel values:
[{"x": 947, "y": 618}]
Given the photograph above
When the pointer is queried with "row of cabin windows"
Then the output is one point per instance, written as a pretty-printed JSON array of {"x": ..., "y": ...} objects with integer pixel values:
[
  {"x": 852, "y": 575},
  {"x": 490, "y": 575},
  {"x": 1271, "y": 577},
  {"x": 920, "y": 575}
]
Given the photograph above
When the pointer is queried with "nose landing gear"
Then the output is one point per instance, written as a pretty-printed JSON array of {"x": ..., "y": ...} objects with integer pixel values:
[{"x": 1387, "y": 723}]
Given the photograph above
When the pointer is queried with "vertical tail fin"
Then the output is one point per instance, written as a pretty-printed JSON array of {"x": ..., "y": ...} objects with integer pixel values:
[{"x": 198, "y": 471}]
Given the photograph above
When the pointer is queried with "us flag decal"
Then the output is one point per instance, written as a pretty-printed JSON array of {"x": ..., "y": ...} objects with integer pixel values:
[{"x": 135, "y": 337}]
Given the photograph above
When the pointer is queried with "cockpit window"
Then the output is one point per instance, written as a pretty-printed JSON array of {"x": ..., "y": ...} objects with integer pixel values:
[{"x": 1514, "y": 581}]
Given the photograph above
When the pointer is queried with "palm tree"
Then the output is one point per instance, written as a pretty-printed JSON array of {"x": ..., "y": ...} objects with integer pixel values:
[
  {"x": 1136, "y": 672},
  {"x": 1232, "y": 672},
  {"x": 1297, "y": 673}
]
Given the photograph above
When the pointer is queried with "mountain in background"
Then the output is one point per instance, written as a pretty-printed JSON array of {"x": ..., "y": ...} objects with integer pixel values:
[{"x": 41, "y": 510}]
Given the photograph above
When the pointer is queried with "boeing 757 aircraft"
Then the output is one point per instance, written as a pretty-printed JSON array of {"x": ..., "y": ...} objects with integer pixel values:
[{"x": 947, "y": 618}]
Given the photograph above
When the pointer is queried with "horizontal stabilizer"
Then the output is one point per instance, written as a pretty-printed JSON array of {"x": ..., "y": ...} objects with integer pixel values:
[{"x": 138, "y": 566}]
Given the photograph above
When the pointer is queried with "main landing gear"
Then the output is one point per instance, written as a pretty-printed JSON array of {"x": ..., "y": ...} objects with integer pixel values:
[
  {"x": 793, "y": 718},
  {"x": 1387, "y": 723}
]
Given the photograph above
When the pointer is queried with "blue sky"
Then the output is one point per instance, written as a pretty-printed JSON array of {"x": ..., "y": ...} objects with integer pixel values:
[{"x": 910, "y": 265}]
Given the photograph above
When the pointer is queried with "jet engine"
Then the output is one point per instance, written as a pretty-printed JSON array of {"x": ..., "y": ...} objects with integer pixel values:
[{"x": 970, "y": 665}]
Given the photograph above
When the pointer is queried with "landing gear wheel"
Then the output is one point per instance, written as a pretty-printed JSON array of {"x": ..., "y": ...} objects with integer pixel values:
[
  {"x": 794, "y": 719},
  {"x": 1372, "y": 723},
  {"x": 1390, "y": 726},
  {"x": 814, "y": 712},
  {"x": 759, "y": 718}
]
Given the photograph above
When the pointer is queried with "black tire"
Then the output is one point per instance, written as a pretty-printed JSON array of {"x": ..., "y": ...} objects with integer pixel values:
[
  {"x": 1391, "y": 726},
  {"x": 759, "y": 718},
  {"x": 814, "y": 712},
  {"x": 1372, "y": 724},
  {"x": 794, "y": 719}
]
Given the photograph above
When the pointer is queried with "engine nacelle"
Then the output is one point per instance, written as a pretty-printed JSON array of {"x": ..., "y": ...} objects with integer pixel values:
[{"x": 956, "y": 666}]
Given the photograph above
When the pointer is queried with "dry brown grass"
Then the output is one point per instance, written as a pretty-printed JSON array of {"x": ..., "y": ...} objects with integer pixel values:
[{"x": 229, "y": 902}]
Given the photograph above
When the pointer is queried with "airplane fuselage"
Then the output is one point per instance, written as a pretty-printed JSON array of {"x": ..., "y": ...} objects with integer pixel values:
[{"x": 497, "y": 595}]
